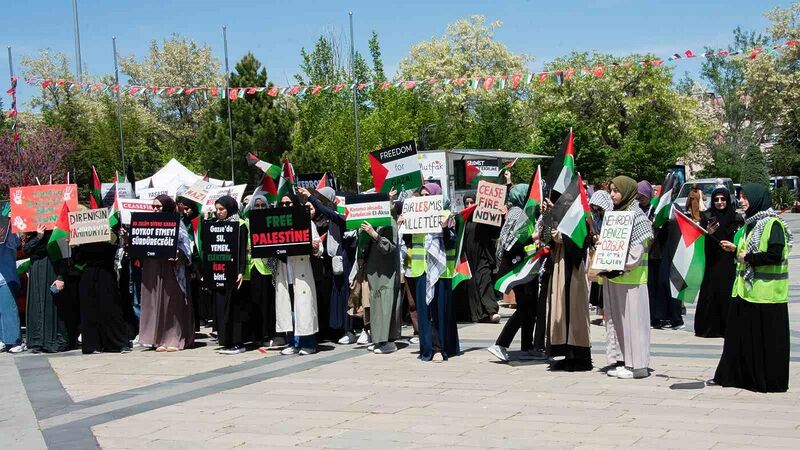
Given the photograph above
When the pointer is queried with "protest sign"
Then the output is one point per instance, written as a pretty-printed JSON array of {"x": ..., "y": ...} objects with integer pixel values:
[
  {"x": 396, "y": 167},
  {"x": 198, "y": 191},
  {"x": 5, "y": 224},
  {"x": 154, "y": 235},
  {"x": 89, "y": 226},
  {"x": 280, "y": 232},
  {"x": 422, "y": 215},
  {"x": 615, "y": 237},
  {"x": 491, "y": 200},
  {"x": 311, "y": 180},
  {"x": 126, "y": 206},
  {"x": 372, "y": 208},
  {"x": 32, "y": 205},
  {"x": 151, "y": 193},
  {"x": 107, "y": 190},
  {"x": 214, "y": 194},
  {"x": 220, "y": 254}
]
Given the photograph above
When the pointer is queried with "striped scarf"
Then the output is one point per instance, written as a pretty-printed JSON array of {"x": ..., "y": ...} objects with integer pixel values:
[{"x": 436, "y": 263}]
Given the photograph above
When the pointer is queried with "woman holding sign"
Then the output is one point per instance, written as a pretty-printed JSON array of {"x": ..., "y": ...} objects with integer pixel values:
[
  {"x": 625, "y": 295},
  {"x": 9, "y": 286},
  {"x": 228, "y": 304},
  {"x": 166, "y": 323}
]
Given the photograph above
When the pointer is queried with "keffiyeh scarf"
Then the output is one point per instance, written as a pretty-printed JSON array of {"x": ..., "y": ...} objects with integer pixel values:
[{"x": 760, "y": 219}]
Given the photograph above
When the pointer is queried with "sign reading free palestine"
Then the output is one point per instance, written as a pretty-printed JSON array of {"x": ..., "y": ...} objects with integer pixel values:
[{"x": 396, "y": 167}]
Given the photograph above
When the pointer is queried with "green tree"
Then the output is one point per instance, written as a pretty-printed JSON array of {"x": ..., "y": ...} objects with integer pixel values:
[
  {"x": 754, "y": 167},
  {"x": 261, "y": 124}
]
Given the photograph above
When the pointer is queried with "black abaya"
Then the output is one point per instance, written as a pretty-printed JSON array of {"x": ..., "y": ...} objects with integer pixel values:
[{"x": 479, "y": 248}]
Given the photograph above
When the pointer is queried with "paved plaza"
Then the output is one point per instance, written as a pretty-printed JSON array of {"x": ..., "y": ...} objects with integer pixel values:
[{"x": 345, "y": 397}]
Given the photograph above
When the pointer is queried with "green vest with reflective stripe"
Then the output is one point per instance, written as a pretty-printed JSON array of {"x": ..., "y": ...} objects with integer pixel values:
[
  {"x": 418, "y": 255},
  {"x": 770, "y": 283},
  {"x": 637, "y": 275},
  {"x": 258, "y": 263}
]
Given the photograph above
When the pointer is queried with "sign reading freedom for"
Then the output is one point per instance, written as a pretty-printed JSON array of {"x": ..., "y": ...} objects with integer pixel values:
[
  {"x": 615, "y": 237},
  {"x": 491, "y": 199},
  {"x": 396, "y": 167},
  {"x": 32, "y": 205},
  {"x": 154, "y": 235},
  {"x": 220, "y": 254},
  {"x": 89, "y": 226},
  {"x": 280, "y": 232},
  {"x": 422, "y": 215},
  {"x": 371, "y": 208}
]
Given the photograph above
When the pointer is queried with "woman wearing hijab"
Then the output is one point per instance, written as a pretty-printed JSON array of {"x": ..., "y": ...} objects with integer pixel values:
[
  {"x": 228, "y": 303},
  {"x": 50, "y": 313},
  {"x": 262, "y": 292},
  {"x": 721, "y": 222},
  {"x": 339, "y": 245},
  {"x": 382, "y": 267},
  {"x": 644, "y": 194},
  {"x": 625, "y": 294},
  {"x": 432, "y": 266},
  {"x": 755, "y": 355},
  {"x": 509, "y": 252},
  {"x": 9, "y": 286},
  {"x": 166, "y": 319},
  {"x": 296, "y": 295},
  {"x": 322, "y": 272},
  {"x": 479, "y": 248}
]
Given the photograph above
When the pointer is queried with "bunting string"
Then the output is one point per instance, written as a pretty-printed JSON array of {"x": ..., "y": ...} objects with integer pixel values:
[{"x": 495, "y": 82}]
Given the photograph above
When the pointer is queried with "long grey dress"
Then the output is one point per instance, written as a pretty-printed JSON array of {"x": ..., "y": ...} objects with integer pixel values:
[{"x": 382, "y": 266}]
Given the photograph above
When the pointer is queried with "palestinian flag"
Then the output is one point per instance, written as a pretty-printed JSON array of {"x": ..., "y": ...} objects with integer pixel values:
[
  {"x": 396, "y": 167},
  {"x": 323, "y": 182},
  {"x": 501, "y": 179},
  {"x": 113, "y": 214},
  {"x": 267, "y": 188},
  {"x": 95, "y": 194},
  {"x": 535, "y": 195},
  {"x": 198, "y": 242},
  {"x": 130, "y": 177},
  {"x": 340, "y": 205},
  {"x": 664, "y": 202},
  {"x": 57, "y": 246},
  {"x": 287, "y": 180},
  {"x": 270, "y": 169},
  {"x": 23, "y": 265},
  {"x": 571, "y": 210},
  {"x": 562, "y": 169},
  {"x": 688, "y": 258},
  {"x": 463, "y": 271},
  {"x": 522, "y": 273}
]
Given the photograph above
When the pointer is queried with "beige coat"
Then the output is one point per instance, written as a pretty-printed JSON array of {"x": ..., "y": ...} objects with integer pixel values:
[{"x": 305, "y": 295}]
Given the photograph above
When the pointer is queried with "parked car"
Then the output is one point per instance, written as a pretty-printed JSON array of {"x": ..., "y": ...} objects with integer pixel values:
[
  {"x": 707, "y": 185},
  {"x": 790, "y": 182}
]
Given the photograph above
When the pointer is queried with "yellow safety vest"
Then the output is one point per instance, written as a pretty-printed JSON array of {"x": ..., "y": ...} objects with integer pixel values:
[
  {"x": 770, "y": 283},
  {"x": 258, "y": 263},
  {"x": 419, "y": 254},
  {"x": 637, "y": 275}
]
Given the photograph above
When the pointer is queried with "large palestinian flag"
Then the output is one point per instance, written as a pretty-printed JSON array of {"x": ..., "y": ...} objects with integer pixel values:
[
  {"x": 287, "y": 181},
  {"x": 688, "y": 256},
  {"x": 571, "y": 211},
  {"x": 562, "y": 170},
  {"x": 396, "y": 167},
  {"x": 95, "y": 195},
  {"x": 463, "y": 271},
  {"x": 535, "y": 195},
  {"x": 58, "y": 245},
  {"x": 270, "y": 169},
  {"x": 523, "y": 272},
  {"x": 664, "y": 202}
]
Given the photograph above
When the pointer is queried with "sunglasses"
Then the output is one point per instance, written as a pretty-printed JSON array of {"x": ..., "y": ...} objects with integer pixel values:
[
  {"x": 720, "y": 200},
  {"x": 285, "y": 203}
]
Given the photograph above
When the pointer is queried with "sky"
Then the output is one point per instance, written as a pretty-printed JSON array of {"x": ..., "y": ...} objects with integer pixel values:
[{"x": 276, "y": 30}]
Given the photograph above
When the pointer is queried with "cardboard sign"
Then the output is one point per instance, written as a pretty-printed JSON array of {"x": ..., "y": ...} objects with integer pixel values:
[
  {"x": 198, "y": 191},
  {"x": 311, "y": 180},
  {"x": 372, "y": 208},
  {"x": 154, "y": 235},
  {"x": 220, "y": 254},
  {"x": 152, "y": 193},
  {"x": 107, "y": 191},
  {"x": 491, "y": 200},
  {"x": 396, "y": 167},
  {"x": 234, "y": 191},
  {"x": 32, "y": 205},
  {"x": 615, "y": 237},
  {"x": 131, "y": 205},
  {"x": 89, "y": 226},
  {"x": 278, "y": 232},
  {"x": 422, "y": 215}
]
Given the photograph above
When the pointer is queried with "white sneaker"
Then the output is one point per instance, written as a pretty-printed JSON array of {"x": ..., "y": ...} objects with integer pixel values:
[
  {"x": 612, "y": 372},
  {"x": 348, "y": 338},
  {"x": 495, "y": 318},
  {"x": 414, "y": 340},
  {"x": 364, "y": 338},
  {"x": 290, "y": 351},
  {"x": 80, "y": 339},
  {"x": 135, "y": 341},
  {"x": 308, "y": 351},
  {"x": 371, "y": 348},
  {"x": 499, "y": 352},
  {"x": 19, "y": 348},
  {"x": 624, "y": 374},
  {"x": 386, "y": 348},
  {"x": 3, "y": 347}
]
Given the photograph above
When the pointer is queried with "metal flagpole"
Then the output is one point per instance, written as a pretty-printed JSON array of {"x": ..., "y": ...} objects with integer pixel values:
[
  {"x": 77, "y": 34},
  {"x": 16, "y": 124},
  {"x": 355, "y": 104},
  {"x": 119, "y": 105},
  {"x": 228, "y": 96}
]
